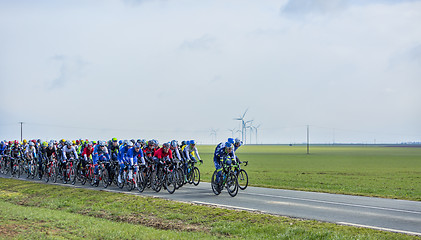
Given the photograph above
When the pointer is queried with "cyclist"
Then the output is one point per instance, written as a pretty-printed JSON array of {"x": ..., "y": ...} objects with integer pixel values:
[
  {"x": 133, "y": 154},
  {"x": 30, "y": 151},
  {"x": 222, "y": 152},
  {"x": 122, "y": 157},
  {"x": 3, "y": 147},
  {"x": 149, "y": 151},
  {"x": 189, "y": 150},
  {"x": 67, "y": 150},
  {"x": 164, "y": 152},
  {"x": 113, "y": 148},
  {"x": 14, "y": 152},
  {"x": 101, "y": 155},
  {"x": 87, "y": 153},
  {"x": 41, "y": 158},
  {"x": 175, "y": 150},
  {"x": 237, "y": 144}
]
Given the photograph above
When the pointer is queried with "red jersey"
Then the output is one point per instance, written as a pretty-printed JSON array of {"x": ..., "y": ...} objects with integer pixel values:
[
  {"x": 88, "y": 151},
  {"x": 161, "y": 154}
]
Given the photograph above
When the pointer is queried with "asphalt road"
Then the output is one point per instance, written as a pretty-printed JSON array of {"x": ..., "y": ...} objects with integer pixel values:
[{"x": 378, "y": 213}]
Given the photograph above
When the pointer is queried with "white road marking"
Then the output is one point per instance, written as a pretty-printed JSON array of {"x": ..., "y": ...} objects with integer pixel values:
[
  {"x": 380, "y": 228},
  {"x": 335, "y": 203}
]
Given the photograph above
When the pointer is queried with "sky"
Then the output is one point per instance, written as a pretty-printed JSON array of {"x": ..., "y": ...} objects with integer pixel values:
[{"x": 166, "y": 69}]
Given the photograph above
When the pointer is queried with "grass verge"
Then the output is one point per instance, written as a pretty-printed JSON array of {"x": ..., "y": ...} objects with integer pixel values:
[
  {"x": 37, "y": 211},
  {"x": 390, "y": 172}
]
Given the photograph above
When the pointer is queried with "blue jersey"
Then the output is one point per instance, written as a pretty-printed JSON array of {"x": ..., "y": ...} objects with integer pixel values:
[
  {"x": 2, "y": 149},
  {"x": 122, "y": 153},
  {"x": 133, "y": 156},
  {"x": 100, "y": 154},
  {"x": 220, "y": 153}
]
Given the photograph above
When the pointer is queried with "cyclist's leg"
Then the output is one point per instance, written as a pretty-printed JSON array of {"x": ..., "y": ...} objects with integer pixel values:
[{"x": 218, "y": 168}]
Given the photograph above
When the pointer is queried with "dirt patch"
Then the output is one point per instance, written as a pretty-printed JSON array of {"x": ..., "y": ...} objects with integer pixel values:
[
  {"x": 149, "y": 221},
  {"x": 9, "y": 230}
]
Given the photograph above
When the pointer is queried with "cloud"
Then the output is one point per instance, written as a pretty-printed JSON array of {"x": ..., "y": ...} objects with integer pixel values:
[
  {"x": 71, "y": 68},
  {"x": 310, "y": 7},
  {"x": 203, "y": 43},
  {"x": 304, "y": 7}
]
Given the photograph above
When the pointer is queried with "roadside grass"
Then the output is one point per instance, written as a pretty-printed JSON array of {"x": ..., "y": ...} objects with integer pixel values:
[
  {"x": 390, "y": 172},
  {"x": 38, "y": 211}
]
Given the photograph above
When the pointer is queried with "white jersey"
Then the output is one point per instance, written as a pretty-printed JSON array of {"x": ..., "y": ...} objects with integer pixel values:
[
  {"x": 188, "y": 150},
  {"x": 69, "y": 150}
]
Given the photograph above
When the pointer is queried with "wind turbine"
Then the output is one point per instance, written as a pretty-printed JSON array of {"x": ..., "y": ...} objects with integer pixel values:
[
  {"x": 232, "y": 132},
  {"x": 249, "y": 127},
  {"x": 243, "y": 126},
  {"x": 255, "y": 129},
  {"x": 213, "y": 132}
]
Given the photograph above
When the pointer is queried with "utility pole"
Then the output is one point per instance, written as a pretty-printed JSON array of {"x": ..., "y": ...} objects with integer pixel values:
[
  {"x": 308, "y": 139},
  {"x": 21, "y": 123}
]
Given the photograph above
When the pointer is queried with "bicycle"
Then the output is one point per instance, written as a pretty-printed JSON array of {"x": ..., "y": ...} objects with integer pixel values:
[
  {"x": 228, "y": 179},
  {"x": 50, "y": 171},
  {"x": 193, "y": 173},
  {"x": 127, "y": 178},
  {"x": 68, "y": 171},
  {"x": 30, "y": 168},
  {"x": 242, "y": 176}
]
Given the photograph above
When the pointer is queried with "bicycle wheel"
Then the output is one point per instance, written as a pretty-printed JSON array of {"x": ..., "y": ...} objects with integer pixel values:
[
  {"x": 105, "y": 178},
  {"x": 215, "y": 186},
  {"x": 179, "y": 177},
  {"x": 54, "y": 173},
  {"x": 29, "y": 172},
  {"x": 141, "y": 184},
  {"x": 232, "y": 184},
  {"x": 243, "y": 179},
  {"x": 47, "y": 174},
  {"x": 20, "y": 169},
  {"x": 123, "y": 179},
  {"x": 156, "y": 184},
  {"x": 72, "y": 175},
  {"x": 196, "y": 176},
  {"x": 170, "y": 182},
  {"x": 129, "y": 184}
]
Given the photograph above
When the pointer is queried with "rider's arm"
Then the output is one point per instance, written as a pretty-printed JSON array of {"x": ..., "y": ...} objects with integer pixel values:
[
  {"x": 197, "y": 153},
  {"x": 186, "y": 152},
  {"x": 177, "y": 153}
]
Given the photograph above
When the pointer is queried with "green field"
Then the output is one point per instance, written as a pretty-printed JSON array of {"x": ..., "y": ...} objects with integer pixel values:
[
  {"x": 391, "y": 172},
  {"x": 44, "y": 211}
]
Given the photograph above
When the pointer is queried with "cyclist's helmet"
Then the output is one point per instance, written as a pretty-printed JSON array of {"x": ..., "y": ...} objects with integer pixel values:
[
  {"x": 16, "y": 142},
  {"x": 129, "y": 144},
  {"x": 166, "y": 145},
  {"x": 137, "y": 145},
  {"x": 51, "y": 144},
  {"x": 24, "y": 141},
  {"x": 77, "y": 142},
  {"x": 120, "y": 142},
  {"x": 2, "y": 143},
  {"x": 187, "y": 142},
  {"x": 238, "y": 141},
  {"x": 69, "y": 144},
  {"x": 101, "y": 143},
  {"x": 231, "y": 140},
  {"x": 133, "y": 141},
  {"x": 31, "y": 144},
  {"x": 192, "y": 142},
  {"x": 114, "y": 139},
  {"x": 45, "y": 144},
  {"x": 228, "y": 145},
  {"x": 174, "y": 143},
  {"x": 183, "y": 142},
  {"x": 34, "y": 141}
]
